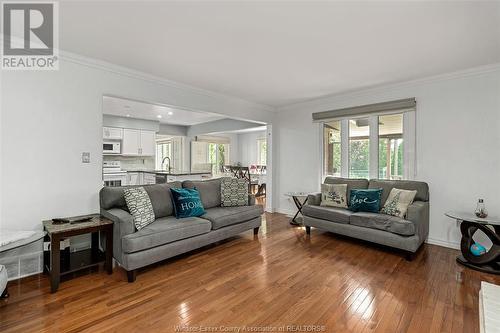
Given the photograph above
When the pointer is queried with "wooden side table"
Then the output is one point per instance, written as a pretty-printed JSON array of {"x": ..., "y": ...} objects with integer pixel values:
[{"x": 81, "y": 259}]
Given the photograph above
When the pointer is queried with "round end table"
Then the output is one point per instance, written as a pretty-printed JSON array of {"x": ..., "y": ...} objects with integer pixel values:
[{"x": 489, "y": 261}]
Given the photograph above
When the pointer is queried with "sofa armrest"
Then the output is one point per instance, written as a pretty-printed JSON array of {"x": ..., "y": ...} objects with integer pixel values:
[
  {"x": 314, "y": 199},
  {"x": 123, "y": 220},
  {"x": 251, "y": 199},
  {"x": 418, "y": 213},
  {"x": 123, "y": 224}
]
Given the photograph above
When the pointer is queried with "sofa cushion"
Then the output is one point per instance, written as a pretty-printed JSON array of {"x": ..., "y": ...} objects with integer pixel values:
[
  {"x": 234, "y": 192},
  {"x": 161, "y": 198},
  {"x": 164, "y": 230},
  {"x": 398, "y": 201},
  {"x": 159, "y": 194},
  {"x": 187, "y": 202},
  {"x": 334, "y": 195},
  {"x": 339, "y": 215},
  {"x": 393, "y": 224},
  {"x": 225, "y": 216},
  {"x": 352, "y": 183},
  {"x": 209, "y": 191},
  {"x": 140, "y": 206},
  {"x": 365, "y": 200},
  {"x": 387, "y": 185}
]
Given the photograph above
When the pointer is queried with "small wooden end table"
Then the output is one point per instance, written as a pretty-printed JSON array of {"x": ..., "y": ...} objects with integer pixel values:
[
  {"x": 81, "y": 259},
  {"x": 488, "y": 262}
]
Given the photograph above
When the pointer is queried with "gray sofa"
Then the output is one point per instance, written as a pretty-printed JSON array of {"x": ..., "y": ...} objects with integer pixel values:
[
  {"x": 168, "y": 236},
  {"x": 404, "y": 234}
]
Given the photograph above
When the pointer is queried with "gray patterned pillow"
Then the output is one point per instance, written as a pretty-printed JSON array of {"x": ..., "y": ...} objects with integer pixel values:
[
  {"x": 140, "y": 206},
  {"x": 234, "y": 192}
]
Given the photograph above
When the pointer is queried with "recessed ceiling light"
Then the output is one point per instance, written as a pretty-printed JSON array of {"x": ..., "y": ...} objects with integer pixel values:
[
  {"x": 128, "y": 115},
  {"x": 158, "y": 116},
  {"x": 170, "y": 113}
]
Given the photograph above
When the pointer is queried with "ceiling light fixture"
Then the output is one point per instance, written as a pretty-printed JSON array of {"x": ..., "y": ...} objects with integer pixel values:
[
  {"x": 128, "y": 115},
  {"x": 158, "y": 116},
  {"x": 170, "y": 113}
]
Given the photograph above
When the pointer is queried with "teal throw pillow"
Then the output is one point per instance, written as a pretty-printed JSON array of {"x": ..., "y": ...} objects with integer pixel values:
[
  {"x": 186, "y": 202},
  {"x": 365, "y": 200}
]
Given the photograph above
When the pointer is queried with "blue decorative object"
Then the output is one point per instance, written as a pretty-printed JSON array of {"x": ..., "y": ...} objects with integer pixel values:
[
  {"x": 186, "y": 202},
  {"x": 365, "y": 200},
  {"x": 477, "y": 249}
]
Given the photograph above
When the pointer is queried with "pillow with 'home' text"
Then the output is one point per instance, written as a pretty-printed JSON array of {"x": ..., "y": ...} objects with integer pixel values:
[{"x": 187, "y": 202}]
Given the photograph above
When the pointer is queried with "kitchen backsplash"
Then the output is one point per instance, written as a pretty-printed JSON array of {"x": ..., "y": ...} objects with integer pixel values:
[{"x": 133, "y": 163}]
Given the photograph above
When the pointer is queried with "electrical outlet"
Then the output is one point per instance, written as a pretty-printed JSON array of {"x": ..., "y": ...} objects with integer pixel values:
[{"x": 85, "y": 157}]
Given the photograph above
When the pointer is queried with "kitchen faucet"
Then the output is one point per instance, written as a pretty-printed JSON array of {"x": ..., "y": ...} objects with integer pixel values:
[{"x": 163, "y": 161}]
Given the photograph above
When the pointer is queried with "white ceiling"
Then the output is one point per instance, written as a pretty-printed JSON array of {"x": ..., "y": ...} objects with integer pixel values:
[
  {"x": 278, "y": 53},
  {"x": 141, "y": 110}
]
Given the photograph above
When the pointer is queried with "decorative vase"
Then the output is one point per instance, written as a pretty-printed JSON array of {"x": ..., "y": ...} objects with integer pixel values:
[
  {"x": 481, "y": 211},
  {"x": 477, "y": 249}
]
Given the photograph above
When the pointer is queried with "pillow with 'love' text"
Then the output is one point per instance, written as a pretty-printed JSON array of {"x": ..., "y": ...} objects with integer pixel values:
[{"x": 367, "y": 200}]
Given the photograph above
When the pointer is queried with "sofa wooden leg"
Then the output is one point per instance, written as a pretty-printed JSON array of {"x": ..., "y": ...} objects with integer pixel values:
[
  {"x": 308, "y": 230},
  {"x": 131, "y": 275},
  {"x": 5, "y": 294},
  {"x": 256, "y": 231},
  {"x": 409, "y": 256}
]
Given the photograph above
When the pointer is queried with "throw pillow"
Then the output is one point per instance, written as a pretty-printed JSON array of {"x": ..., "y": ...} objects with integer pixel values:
[
  {"x": 187, "y": 202},
  {"x": 334, "y": 195},
  {"x": 234, "y": 192},
  {"x": 398, "y": 201},
  {"x": 365, "y": 200},
  {"x": 139, "y": 205}
]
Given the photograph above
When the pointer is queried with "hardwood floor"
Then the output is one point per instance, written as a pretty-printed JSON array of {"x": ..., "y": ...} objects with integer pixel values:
[{"x": 280, "y": 278}]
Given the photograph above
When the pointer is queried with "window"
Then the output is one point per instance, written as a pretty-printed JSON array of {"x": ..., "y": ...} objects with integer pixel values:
[
  {"x": 261, "y": 151},
  {"x": 390, "y": 151},
  {"x": 218, "y": 156},
  {"x": 163, "y": 150},
  {"x": 359, "y": 148},
  {"x": 332, "y": 148},
  {"x": 375, "y": 146}
]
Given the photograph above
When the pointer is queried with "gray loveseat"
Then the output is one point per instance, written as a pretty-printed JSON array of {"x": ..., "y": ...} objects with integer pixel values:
[
  {"x": 168, "y": 236},
  {"x": 404, "y": 234}
]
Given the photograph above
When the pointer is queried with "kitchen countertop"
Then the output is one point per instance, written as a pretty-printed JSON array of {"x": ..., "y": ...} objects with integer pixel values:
[{"x": 166, "y": 173}]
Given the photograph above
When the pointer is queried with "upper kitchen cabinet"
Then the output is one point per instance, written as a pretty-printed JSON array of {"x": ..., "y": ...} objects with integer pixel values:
[
  {"x": 112, "y": 133},
  {"x": 148, "y": 143},
  {"x": 138, "y": 142}
]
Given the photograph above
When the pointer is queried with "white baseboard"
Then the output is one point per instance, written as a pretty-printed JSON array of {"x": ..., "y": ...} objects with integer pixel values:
[
  {"x": 443, "y": 243},
  {"x": 288, "y": 212}
]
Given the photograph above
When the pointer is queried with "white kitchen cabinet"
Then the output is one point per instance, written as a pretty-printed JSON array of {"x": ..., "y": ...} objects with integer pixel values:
[
  {"x": 134, "y": 178},
  {"x": 138, "y": 143},
  {"x": 148, "y": 143},
  {"x": 131, "y": 142},
  {"x": 112, "y": 133},
  {"x": 149, "y": 178}
]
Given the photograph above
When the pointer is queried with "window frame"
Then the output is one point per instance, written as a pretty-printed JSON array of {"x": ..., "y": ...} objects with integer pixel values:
[
  {"x": 409, "y": 143},
  {"x": 259, "y": 151},
  {"x": 170, "y": 150}
]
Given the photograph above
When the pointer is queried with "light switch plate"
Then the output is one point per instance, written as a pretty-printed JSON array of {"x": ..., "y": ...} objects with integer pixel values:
[{"x": 85, "y": 157}]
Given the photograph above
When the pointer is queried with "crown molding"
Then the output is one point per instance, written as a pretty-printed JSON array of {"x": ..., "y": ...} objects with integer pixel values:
[
  {"x": 353, "y": 93},
  {"x": 135, "y": 74}
]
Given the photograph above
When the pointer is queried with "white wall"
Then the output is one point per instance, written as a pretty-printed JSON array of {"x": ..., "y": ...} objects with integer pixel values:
[
  {"x": 247, "y": 147},
  {"x": 458, "y": 143},
  {"x": 48, "y": 118}
]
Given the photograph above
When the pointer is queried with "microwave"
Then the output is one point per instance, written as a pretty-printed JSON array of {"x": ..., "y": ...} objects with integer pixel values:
[{"x": 111, "y": 147}]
